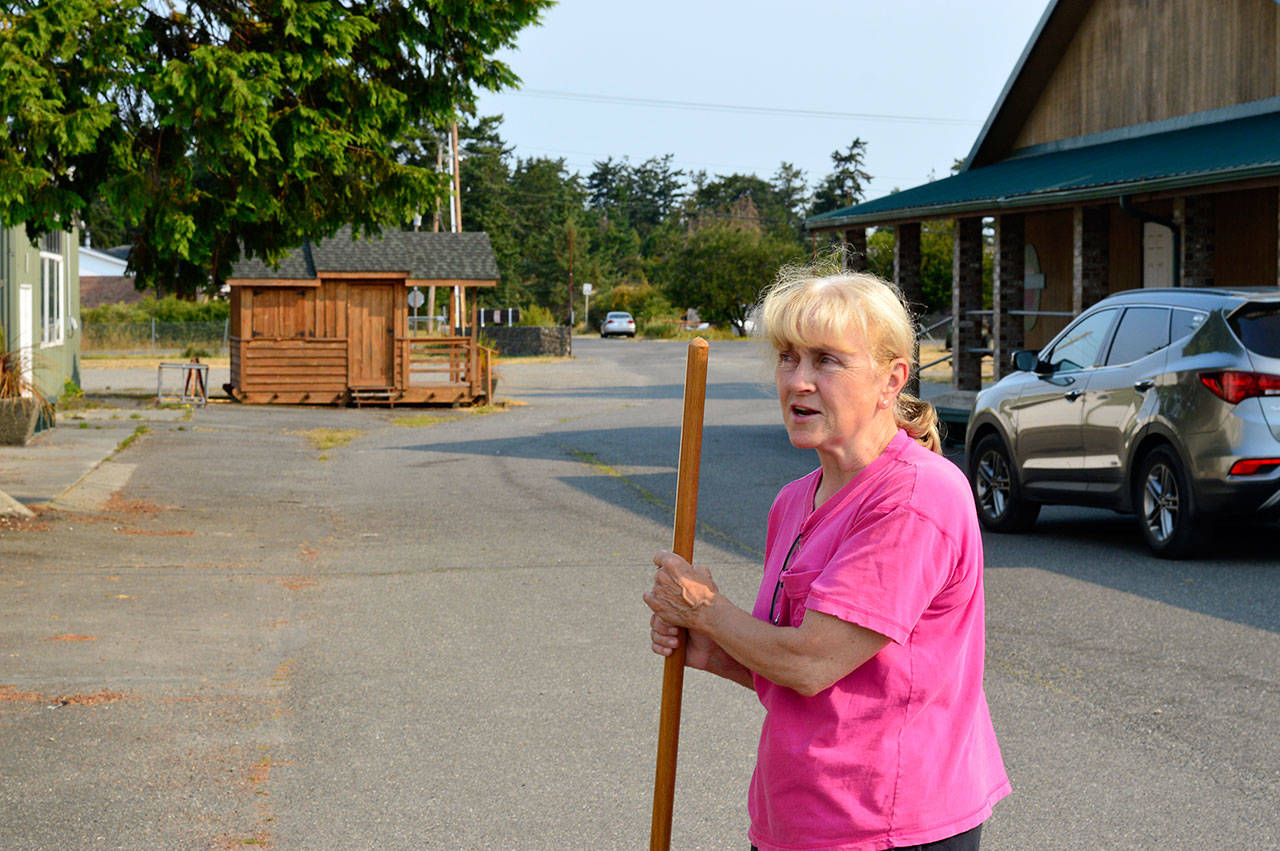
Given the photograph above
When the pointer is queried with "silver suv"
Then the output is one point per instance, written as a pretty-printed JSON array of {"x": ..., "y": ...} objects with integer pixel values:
[{"x": 1164, "y": 403}]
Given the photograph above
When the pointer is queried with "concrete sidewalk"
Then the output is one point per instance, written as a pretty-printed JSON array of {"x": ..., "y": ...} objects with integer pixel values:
[{"x": 68, "y": 467}]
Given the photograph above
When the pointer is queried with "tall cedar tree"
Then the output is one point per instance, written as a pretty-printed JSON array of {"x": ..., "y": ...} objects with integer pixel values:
[
  {"x": 214, "y": 129},
  {"x": 847, "y": 182}
]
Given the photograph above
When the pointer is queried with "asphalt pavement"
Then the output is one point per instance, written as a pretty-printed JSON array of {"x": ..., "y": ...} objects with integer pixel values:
[{"x": 340, "y": 628}]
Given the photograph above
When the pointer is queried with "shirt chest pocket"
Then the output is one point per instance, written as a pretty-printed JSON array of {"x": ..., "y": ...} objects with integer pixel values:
[{"x": 795, "y": 593}]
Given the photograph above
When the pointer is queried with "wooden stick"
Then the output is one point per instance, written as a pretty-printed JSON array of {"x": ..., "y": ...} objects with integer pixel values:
[{"x": 664, "y": 784}]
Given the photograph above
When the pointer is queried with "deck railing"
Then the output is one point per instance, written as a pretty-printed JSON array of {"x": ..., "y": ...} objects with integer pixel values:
[{"x": 432, "y": 361}]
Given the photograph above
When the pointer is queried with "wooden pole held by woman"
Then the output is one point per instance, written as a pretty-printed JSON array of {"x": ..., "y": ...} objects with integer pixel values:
[{"x": 664, "y": 784}]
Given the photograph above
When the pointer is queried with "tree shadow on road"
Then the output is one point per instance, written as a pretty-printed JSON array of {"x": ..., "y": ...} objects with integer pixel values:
[
  {"x": 742, "y": 470},
  {"x": 1237, "y": 579}
]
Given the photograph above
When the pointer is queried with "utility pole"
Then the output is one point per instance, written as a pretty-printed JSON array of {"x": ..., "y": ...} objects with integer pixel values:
[
  {"x": 455, "y": 213},
  {"x": 435, "y": 216},
  {"x": 571, "y": 279}
]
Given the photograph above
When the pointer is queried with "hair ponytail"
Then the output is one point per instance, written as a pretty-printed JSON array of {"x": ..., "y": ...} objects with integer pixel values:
[{"x": 919, "y": 419}]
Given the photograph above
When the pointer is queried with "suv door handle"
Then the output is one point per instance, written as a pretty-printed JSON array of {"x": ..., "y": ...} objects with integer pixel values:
[
  {"x": 1072, "y": 395},
  {"x": 1144, "y": 385}
]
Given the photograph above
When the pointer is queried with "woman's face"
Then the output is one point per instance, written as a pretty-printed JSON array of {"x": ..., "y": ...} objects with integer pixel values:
[{"x": 833, "y": 397}]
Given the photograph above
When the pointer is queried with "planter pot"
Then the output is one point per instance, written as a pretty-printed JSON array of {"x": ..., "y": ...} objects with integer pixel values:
[{"x": 18, "y": 419}]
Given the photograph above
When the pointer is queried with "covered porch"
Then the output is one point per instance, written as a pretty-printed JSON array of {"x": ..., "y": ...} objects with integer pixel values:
[{"x": 1192, "y": 202}]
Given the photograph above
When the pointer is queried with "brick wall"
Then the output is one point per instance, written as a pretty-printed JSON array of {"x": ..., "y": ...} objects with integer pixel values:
[
  {"x": 1089, "y": 256},
  {"x": 855, "y": 249},
  {"x": 1008, "y": 288},
  {"x": 1195, "y": 214},
  {"x": 906, "y": 264},
  {"x": 966, "y": 296}
]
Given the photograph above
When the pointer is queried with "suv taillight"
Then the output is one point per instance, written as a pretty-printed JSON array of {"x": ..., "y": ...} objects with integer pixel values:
[
  {"x": 1235, "y": 386},
  {"x": 1254, "y": 466}
]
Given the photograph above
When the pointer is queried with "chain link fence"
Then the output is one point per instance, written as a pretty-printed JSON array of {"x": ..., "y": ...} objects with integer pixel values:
[{"x": 154, "y": 337}]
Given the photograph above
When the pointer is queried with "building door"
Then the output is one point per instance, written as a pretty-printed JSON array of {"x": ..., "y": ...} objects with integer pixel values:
[{"x": 371, "y": 334}]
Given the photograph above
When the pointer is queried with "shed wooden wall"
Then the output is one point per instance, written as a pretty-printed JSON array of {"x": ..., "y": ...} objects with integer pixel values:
[
  {"x": 318, "y": 340},
  {"x": 1135, "y": 61}
]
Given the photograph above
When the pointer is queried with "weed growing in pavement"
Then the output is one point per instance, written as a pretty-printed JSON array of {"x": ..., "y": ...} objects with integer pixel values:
[
  {"x": 124, "y": 444},
  {"x": 418, "y": 420},
  {"x": 422, "y": 420},
  {"x": 325, "y": 439}
]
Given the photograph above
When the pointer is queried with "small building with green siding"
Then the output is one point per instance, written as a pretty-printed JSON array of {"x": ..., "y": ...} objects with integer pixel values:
[{"x": 40, "y": 305}]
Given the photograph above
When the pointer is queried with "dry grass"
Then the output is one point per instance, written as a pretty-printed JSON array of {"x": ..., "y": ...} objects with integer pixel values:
[
  {"x": 325, "y": 439},
  {"x": 150, "y": 362},
  {"x": 930, "y": 351}
]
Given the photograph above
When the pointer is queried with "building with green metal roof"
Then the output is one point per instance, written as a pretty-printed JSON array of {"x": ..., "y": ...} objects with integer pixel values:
[{"x": 1135, "y": 144}]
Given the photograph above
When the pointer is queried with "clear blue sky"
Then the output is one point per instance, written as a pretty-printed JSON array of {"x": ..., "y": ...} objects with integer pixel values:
[{"x": 937, "y": 65}]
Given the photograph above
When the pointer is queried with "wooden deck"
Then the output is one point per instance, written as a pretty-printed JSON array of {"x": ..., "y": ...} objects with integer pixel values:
[{"x": 308, "y": 371}]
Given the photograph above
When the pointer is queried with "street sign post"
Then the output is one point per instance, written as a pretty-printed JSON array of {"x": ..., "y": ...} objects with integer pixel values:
[{"x": 415, "y": 301}]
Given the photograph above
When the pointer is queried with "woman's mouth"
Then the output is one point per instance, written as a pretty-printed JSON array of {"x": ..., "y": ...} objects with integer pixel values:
[{"x": 800, "y": 411}]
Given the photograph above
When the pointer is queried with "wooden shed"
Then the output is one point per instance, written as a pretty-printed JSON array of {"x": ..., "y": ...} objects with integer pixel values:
[{"x": 331, "y": 324}]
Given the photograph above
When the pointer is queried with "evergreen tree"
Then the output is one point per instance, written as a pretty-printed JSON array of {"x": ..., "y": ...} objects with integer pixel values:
[{"x": 213, "y": 129}]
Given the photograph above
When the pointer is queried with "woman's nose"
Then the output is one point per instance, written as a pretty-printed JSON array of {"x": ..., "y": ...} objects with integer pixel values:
[{"x": 800, "y": 377}]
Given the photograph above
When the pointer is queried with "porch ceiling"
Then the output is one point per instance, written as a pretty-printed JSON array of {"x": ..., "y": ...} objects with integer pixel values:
[{"x": 1241, "y": 149}]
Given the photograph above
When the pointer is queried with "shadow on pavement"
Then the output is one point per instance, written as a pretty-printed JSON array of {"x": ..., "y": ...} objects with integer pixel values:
[{"x": 1238, "y": 578}]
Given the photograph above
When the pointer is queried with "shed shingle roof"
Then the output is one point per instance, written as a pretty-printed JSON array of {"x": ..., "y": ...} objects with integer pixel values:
[
  {"x": 1239, "y": 149},
  {"x": 423, "y": 255}
]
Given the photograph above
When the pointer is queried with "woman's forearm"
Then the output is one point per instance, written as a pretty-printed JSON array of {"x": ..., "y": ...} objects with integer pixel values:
[
  {"x": 721, "y": 663},
  {"x": 808, "y": 659}
]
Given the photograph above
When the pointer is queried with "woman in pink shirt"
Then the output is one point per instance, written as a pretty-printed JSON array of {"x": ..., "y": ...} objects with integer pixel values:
[{"x": 866, "y": 640}]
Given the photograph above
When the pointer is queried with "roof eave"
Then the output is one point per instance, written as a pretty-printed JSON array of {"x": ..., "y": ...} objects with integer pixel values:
[{"x": 1038, "y": 199}]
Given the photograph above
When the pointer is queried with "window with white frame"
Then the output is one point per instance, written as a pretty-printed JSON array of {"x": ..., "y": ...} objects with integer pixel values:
[{"x": 53, "y": 289}]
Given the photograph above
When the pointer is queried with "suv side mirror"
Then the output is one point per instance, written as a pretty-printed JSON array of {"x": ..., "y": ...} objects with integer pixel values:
[{"x": 1025, "y": 360}]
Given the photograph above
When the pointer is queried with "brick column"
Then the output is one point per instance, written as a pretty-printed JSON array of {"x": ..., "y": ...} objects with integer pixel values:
[
  {"x": 1007, "y": 289},
  {"x": 1194, "y": 216},
  {"x": 855, "y": 250},
  {"x": 906, "y": 264},
  {"x": 1090, "y": 244},
  {"x": 966, "y": 296},
  {"x": 907, "y": 276}
]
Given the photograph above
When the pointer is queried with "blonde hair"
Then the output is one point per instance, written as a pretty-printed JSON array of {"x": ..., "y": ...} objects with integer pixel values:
[{"x": 814, "y": 307}]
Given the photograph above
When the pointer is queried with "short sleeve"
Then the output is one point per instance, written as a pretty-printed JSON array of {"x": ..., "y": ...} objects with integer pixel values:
[{"x": 885, "y": 572}]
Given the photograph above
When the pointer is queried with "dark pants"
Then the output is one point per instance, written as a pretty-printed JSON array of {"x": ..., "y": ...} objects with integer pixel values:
[{"x": 967, "y": 841}]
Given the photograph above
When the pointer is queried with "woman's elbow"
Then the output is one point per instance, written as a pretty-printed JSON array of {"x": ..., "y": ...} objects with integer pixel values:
[{"x": 811, "y": 683}]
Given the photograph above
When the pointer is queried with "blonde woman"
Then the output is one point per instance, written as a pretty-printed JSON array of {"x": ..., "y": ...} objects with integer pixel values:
[{"x": 866, "y": 640}]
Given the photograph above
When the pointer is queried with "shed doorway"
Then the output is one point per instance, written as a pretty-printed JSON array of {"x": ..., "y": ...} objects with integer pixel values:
[{"x": 371, "y": 326}]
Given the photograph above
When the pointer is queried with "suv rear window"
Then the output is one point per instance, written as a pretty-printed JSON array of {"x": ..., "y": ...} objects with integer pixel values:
[{"x": 1258, "y": 327}]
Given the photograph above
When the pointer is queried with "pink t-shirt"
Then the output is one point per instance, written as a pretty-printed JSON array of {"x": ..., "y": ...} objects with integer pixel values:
[{"x": 901, "y": 751}]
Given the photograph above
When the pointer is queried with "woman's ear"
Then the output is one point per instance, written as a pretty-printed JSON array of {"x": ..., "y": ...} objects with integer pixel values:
[{"x": 899, "y": 372}]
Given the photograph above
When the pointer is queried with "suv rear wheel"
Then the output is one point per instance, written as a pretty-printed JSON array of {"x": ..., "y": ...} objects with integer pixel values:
[
  {"x": 1165, "y": 505},
  {"x": 1001, "y": 507}
]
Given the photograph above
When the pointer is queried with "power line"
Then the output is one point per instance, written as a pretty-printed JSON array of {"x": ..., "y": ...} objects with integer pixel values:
[{"x": 660, "y": 103}]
